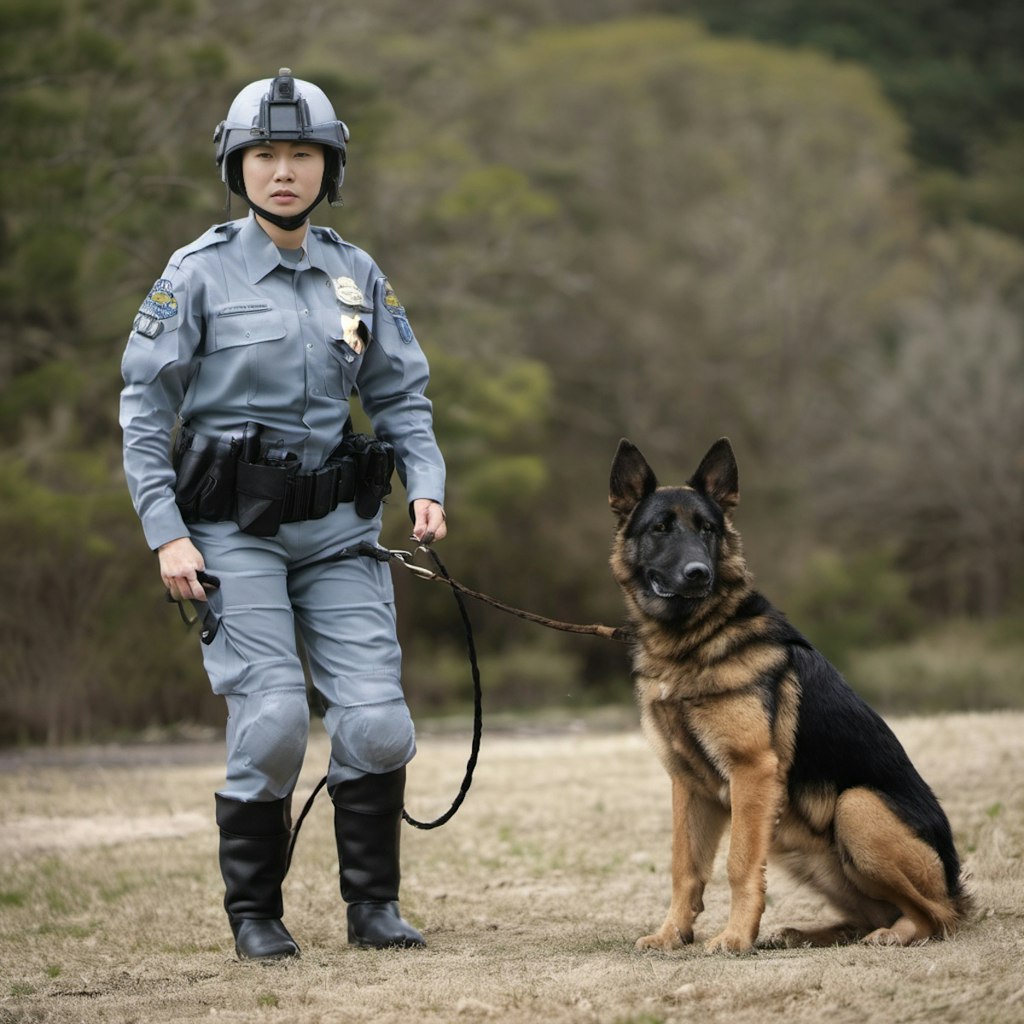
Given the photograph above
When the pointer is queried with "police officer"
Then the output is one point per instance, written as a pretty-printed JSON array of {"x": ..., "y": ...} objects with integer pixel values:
[{"x": 251, "y": 343}]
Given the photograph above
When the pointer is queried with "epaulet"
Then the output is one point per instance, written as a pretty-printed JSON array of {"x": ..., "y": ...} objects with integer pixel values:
[
  {"x": 328, "y": 235},
  {"x": 213, "y": 236}
]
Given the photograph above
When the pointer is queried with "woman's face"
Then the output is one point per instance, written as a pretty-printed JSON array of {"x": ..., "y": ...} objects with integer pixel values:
[{"x": 283, "y": 177}]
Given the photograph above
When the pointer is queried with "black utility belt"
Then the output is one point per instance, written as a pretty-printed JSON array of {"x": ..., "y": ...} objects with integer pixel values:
[{"x": 260, "y": 487}]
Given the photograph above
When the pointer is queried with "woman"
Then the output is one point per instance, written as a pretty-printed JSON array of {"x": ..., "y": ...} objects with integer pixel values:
[{"x": 254, "y": 338}]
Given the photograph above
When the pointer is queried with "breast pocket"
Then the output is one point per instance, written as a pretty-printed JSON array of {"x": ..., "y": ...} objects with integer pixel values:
[
  {"x": 247, "y": 346},
  {"x": 343, "y": 361}
]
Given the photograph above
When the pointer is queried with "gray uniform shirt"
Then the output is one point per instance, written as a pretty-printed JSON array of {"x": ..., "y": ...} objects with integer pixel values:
[{"x": 234, "y": 333}]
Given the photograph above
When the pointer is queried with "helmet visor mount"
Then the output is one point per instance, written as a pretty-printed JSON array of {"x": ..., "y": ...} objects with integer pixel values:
[{"x": 283, "y": 114}]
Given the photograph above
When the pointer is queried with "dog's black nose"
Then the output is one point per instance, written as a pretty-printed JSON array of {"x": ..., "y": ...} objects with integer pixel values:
[{"x": 696, "y": 572}]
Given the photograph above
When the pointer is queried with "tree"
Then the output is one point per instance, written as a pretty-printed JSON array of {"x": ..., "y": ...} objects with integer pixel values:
[{"x": 937, "y": 459}]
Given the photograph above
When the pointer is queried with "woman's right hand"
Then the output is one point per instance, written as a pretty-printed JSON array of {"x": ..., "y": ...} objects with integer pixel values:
[{"x": 180, "y": 560}]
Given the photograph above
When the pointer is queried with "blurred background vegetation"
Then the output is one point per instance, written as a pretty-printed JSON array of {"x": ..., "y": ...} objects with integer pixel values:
[{"x": 798, "y": 223}]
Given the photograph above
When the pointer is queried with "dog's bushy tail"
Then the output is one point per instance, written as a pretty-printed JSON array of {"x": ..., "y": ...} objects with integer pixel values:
[{"x": 965, "y": 905}]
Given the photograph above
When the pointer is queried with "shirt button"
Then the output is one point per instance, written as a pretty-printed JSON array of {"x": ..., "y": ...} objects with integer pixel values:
[
  {"x": 315, "y": 391},
  {"x": 309, "y": 344},
  {"x": 305, "y": 312}
]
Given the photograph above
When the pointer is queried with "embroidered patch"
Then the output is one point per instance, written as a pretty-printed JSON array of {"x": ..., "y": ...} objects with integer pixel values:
[
  {"x": 348, "y": 291},
  {"x": 160, "y": 303},
  {"x": 391, "y": 300}
]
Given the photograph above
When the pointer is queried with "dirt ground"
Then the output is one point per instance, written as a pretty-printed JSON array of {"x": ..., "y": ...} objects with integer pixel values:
[{"x": 530, "y": 898}]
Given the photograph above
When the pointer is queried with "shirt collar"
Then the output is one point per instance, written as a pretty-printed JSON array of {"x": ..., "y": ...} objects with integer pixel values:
[
  {"x": 315, "y": 252},
  {"x": 262, "y": 256}
]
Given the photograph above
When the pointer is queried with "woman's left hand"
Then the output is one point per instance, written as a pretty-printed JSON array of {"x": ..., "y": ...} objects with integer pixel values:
[{"x": 428, "y": 521}]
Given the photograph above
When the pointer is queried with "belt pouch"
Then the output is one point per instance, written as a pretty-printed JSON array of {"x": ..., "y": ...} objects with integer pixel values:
[
  {"x": 205, "y": 484},
  {"x": 323, "y": 492},
  {"x": 376, "y": 465},
  {"x": 348, "y": 471},
  {"x": 190, "y": 468},
  {"x": 259, "y": 497},
  {"x": 218, "y": 493}
]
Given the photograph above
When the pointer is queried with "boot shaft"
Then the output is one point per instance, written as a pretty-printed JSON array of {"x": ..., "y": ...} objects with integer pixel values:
[
  {"x": 367, "y": 828},
  {"x": 253, "y": 856}
]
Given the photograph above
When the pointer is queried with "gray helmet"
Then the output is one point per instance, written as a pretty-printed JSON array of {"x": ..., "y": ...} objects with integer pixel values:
[{"x": 281, "y": 109}]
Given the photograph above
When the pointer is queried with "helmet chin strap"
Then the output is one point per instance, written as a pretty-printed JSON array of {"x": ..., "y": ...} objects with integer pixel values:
[{"x": 287, "y": 223}]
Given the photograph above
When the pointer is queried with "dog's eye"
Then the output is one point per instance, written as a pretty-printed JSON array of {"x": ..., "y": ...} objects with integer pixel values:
[
  {"x": 704, "y": 527},
  {"x": 660, "y": 528}
]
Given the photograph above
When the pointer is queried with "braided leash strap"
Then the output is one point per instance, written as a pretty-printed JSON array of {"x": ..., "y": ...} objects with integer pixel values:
[{"x": 478, "y": 716}]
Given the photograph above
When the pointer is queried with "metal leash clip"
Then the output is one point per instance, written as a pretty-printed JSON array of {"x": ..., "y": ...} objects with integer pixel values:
[{"x": 405, "y": 559}]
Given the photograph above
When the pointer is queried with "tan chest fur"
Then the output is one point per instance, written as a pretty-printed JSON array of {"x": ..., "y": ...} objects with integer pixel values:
[{"x": 703, "y": 720}]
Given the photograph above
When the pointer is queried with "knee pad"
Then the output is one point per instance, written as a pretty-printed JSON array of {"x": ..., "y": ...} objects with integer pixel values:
[
  {"x": 267, "y": 734},
  {"x": 374, "y": 738}
]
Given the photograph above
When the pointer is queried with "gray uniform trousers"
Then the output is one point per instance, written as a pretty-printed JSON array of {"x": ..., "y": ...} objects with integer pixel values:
[{"x": 344, "y": 613}]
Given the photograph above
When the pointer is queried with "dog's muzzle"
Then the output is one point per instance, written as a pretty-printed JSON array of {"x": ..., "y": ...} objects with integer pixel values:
[{"x": 694, "y": 582}]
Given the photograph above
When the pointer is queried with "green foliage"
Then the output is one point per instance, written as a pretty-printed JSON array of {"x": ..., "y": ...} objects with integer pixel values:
[
  {"x": 958, "y": 57},
  {"x": 845, "y": 604},
  {"x": 955, "y": 71},
  {"x": 535, "y": 674},
  {"x": 601, "y": 226},
  {"x": 501, "y": 196},
  {"x": 952, "y": 666}
]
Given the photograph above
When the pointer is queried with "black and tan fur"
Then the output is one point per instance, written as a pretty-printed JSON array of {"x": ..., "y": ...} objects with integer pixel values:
[{"x": 758, "y": 731}]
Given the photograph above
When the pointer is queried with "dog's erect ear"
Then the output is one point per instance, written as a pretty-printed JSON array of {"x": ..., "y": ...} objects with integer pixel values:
[
  {"x": 632, "y": 479},
  {"x": 717, "y": 475}
]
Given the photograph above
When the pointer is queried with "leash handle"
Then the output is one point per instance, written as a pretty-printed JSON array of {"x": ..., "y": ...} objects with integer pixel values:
[
  {"x": 478, "y": 715},
  {"x": 367, "y": 550}
]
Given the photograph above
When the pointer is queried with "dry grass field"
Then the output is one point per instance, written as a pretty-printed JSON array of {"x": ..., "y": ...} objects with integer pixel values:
[{"x": 530, "y": 897}]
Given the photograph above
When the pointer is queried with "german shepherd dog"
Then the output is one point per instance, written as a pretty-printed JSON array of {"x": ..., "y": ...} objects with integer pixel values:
[{"x": 755, "y": 727}]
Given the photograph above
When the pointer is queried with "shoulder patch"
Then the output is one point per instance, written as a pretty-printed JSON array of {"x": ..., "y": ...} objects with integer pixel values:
[
  {"x": 159, "y": 305},
  {"x": 391, "y": 300}
]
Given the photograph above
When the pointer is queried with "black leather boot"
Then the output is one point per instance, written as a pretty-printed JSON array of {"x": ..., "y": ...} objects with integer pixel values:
[
  {"x": 253, "y": 853},
  {"x": 367, "y": 824}
]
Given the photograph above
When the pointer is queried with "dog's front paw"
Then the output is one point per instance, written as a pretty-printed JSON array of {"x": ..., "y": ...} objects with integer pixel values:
[
  {"x": 666, "y": 938},
  {"x": 730, "y": 941}
]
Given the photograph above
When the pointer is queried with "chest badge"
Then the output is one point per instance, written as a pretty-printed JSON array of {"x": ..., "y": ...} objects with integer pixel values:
[{"x": 348, "y": 291}]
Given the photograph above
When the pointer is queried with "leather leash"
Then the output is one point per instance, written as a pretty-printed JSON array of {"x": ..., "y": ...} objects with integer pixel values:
[{"x": 405, "y": 559}]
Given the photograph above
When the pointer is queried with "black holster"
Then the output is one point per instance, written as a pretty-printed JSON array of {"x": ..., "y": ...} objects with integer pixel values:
[{"x": 205, "y": 467}]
